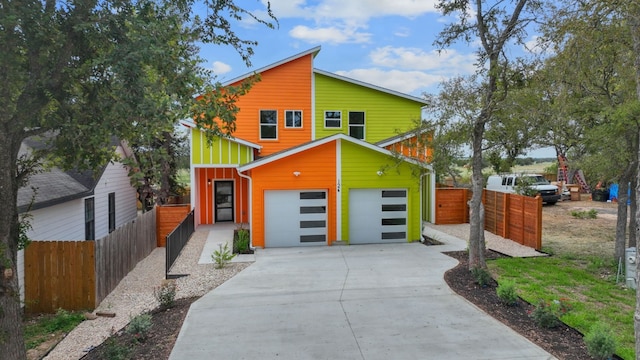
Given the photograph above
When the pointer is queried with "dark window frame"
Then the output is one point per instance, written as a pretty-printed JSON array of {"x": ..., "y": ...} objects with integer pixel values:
[
  {"x": 354, "y": 125},
  {"x": 112, "y": 212},
  {"x": 89, "y": 219}
]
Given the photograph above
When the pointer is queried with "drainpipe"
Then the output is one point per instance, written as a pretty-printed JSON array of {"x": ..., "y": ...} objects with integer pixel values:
[{"x": 250, "y": 206}]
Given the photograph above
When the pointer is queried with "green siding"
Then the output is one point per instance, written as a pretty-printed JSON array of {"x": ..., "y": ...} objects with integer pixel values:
[
  {"x": 359, "y": 171},
  {"x": 386, "y": 115},
  {"x": 222, "y": 151}
]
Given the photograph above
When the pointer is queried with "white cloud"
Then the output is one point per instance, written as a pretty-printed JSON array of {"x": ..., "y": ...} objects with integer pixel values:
[
  {"x": 402, "y": 32},
  {"x": 360, "y": 10},
  {"x": 449, "y": 62},
  {"x": 407, "y": 82},
  {"x": 220, "y": 68},
  {"x": 332, "y": 35}
]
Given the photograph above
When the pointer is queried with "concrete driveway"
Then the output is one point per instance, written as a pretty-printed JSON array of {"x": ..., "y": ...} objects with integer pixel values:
[{"x": 346, "y": 302}]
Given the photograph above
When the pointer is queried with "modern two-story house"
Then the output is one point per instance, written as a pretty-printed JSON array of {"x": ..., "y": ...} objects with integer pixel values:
[{"x": 316, "y": 158}]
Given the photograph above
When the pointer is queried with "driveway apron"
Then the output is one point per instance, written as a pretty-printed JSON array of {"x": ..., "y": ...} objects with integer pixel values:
[{"x": 386, "y": 301}]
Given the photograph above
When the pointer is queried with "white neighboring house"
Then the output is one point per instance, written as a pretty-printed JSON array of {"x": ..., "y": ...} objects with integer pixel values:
[{"x": 76, "y": 206}]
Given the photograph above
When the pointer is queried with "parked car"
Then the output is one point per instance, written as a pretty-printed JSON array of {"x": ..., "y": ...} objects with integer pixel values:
[{"x": 508, "y": 183}]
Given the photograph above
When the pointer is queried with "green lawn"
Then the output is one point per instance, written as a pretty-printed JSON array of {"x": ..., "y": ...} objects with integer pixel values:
[{"x": 587, "y": 284}]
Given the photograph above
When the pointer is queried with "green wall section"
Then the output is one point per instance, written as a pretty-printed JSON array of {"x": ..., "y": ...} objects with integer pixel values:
[
  {"x": 223, "y": 151},
  {"x": 359, "y": 171},
  {"x": 386, "y": 115}
]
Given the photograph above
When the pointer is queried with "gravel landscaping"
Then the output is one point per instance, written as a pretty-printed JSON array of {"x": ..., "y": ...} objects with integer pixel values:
[{"x": 134, "y": 295}]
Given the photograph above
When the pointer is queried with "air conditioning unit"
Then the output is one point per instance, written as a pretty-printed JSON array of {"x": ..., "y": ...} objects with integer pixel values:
[{"x": 630, "y": 267}]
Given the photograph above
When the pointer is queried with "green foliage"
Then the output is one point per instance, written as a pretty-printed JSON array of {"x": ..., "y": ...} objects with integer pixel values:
[
  {"x": 524, "y": 186},
  {"x": 547, "y": 314},
  {"x": 166, "y": 293},
  {"x": 601, "y": 344},
  {"x": 481, "y": 275},
  {"x": 115, "y": 351},
  {"x": 241, "y": 243},
  {"x": 222, "y": 256},
  {"x": 40, "y": 330},
  {"x": 507, "y": 293},
  {"x": 584, "y": 214},
  {"x": 551, "y": 169},
  {"x": 139, "y": 327}
]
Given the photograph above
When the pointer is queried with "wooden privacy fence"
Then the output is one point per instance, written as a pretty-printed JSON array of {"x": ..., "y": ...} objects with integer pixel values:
[
  {"x": 78, "y": 275},
  {"x": 511, "y": 216},
  {"x": 169, "y": 216}
]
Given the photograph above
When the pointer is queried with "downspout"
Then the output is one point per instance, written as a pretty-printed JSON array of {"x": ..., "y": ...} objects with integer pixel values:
[{"x": 250, "y": 202}]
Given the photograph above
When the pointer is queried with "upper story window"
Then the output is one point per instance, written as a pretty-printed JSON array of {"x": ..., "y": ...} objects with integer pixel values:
[
  {"x": 89, "y": 219},
  {"x": 333, "y": 119},
  {"x": 112, "y": 211},
  {"x": 293, "y": 119},
  {"x": 356, "y": 124},
  {"x": 268, "y": 124}
]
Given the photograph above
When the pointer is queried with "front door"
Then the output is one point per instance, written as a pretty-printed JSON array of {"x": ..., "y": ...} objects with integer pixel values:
[{"x": 223, "y": 201}]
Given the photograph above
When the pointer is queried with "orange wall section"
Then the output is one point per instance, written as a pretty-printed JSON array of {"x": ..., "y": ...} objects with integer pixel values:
[
  {"x": 284, "y": 87},
  {"x": 317, "y": 167},
  {"x": 204, "y": 203}
]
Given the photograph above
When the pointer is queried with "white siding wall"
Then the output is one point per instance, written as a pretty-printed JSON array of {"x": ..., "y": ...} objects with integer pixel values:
[
  {"x": 114, "y": 179},
  {"x": 66, "y": 221}
]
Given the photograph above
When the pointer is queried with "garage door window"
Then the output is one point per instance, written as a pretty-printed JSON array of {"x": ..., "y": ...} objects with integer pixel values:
[{"x": 394, "y": 193}]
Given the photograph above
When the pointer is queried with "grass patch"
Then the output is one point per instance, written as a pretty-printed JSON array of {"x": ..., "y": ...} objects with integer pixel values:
[
  {"x": 593, "y": 298},
  {"x": 40, "y": 329}
]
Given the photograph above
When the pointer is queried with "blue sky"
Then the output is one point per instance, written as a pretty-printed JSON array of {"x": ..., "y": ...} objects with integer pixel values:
[
  {"x": 388, "y": 43},
  {"x": 384, "y": 42}
]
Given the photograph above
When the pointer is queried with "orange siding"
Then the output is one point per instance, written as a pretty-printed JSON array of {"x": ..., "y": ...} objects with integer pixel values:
[
  {"x": 278, "y": 175},
  {"x": 285, "y": 87},
  {"x": 205, "y": 179},
  {"x": 411, "y": 148}
]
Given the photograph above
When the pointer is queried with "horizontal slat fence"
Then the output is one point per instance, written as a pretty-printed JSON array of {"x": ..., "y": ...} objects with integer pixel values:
[
  {"x": 59, "y": 274},
  {"x": 169, "y": 216},
  {"x": 511, "y": 216},
  {"x": 78, "y": 275},
  {"x": 119, "y": 252}
]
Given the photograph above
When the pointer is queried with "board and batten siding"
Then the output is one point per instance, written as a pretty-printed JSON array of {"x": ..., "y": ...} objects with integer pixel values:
[
  {"x": 360, "y": 168},
  {"x": 386, "y": 115},
  {"x": 317, "y": 168},
  {"x": 223, "y": 151},
  {"x": 204, "y": 181},
  {"x": 284, "y": 87}
]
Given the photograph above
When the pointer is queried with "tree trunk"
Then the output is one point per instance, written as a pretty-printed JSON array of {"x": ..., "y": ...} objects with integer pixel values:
[
  {"x": 11, "y": 331},
  {"x": 634, "y": 26},
  {"x": 621, "y": 222},
  {"x": 633, "y": 208},
  {"x": 476, "y": 220}
]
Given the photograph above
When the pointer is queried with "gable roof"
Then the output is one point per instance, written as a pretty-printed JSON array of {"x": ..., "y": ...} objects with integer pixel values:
[
  {"x": 192, "y": 125},
  {"x": 54, "y": 185},
  {"x": 396, "y": 138},
  {"x": 370, "y": 86},
  {"x": 313, "y": 51},
  {"x": 315, "y": 143}
]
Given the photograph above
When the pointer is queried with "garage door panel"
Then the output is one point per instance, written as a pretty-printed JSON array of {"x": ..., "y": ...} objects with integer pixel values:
[
  {"x": 295, "y": 218},
  {"x": 377, "y": 215}
]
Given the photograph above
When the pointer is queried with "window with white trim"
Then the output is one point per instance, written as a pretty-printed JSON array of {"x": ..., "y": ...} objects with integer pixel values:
[
  {"x": 356, "y": 124},
  {"x": 112, "y": 211},
  {"x": 268, "y": 124},
  {"x": 333, "y": 119},
  {"x": 89, "y": 219},
  {"x": 293, "y": 119}
]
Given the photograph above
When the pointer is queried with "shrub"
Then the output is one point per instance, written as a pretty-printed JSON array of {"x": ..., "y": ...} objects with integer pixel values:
[
  {"x": 547, "y": 314},
  {"x": 482, "y": 276},
  {"x": 583, "y": 214},
  {"x": 165, "y": 293},
  {"x": 600, "y": 341},
  {"x": 506, "y": 291},
  {"x": 241, "y": 243},
  {"x": 222, "y": 256},
  {"x": 139, "y": 326},
  {"x": 115, "y": 351}
]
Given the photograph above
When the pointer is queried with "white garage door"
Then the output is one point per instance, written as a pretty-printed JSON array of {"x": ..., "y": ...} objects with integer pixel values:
[
  {"x": 377, "y": 216},
  {"x": 295, "y": 218}
]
